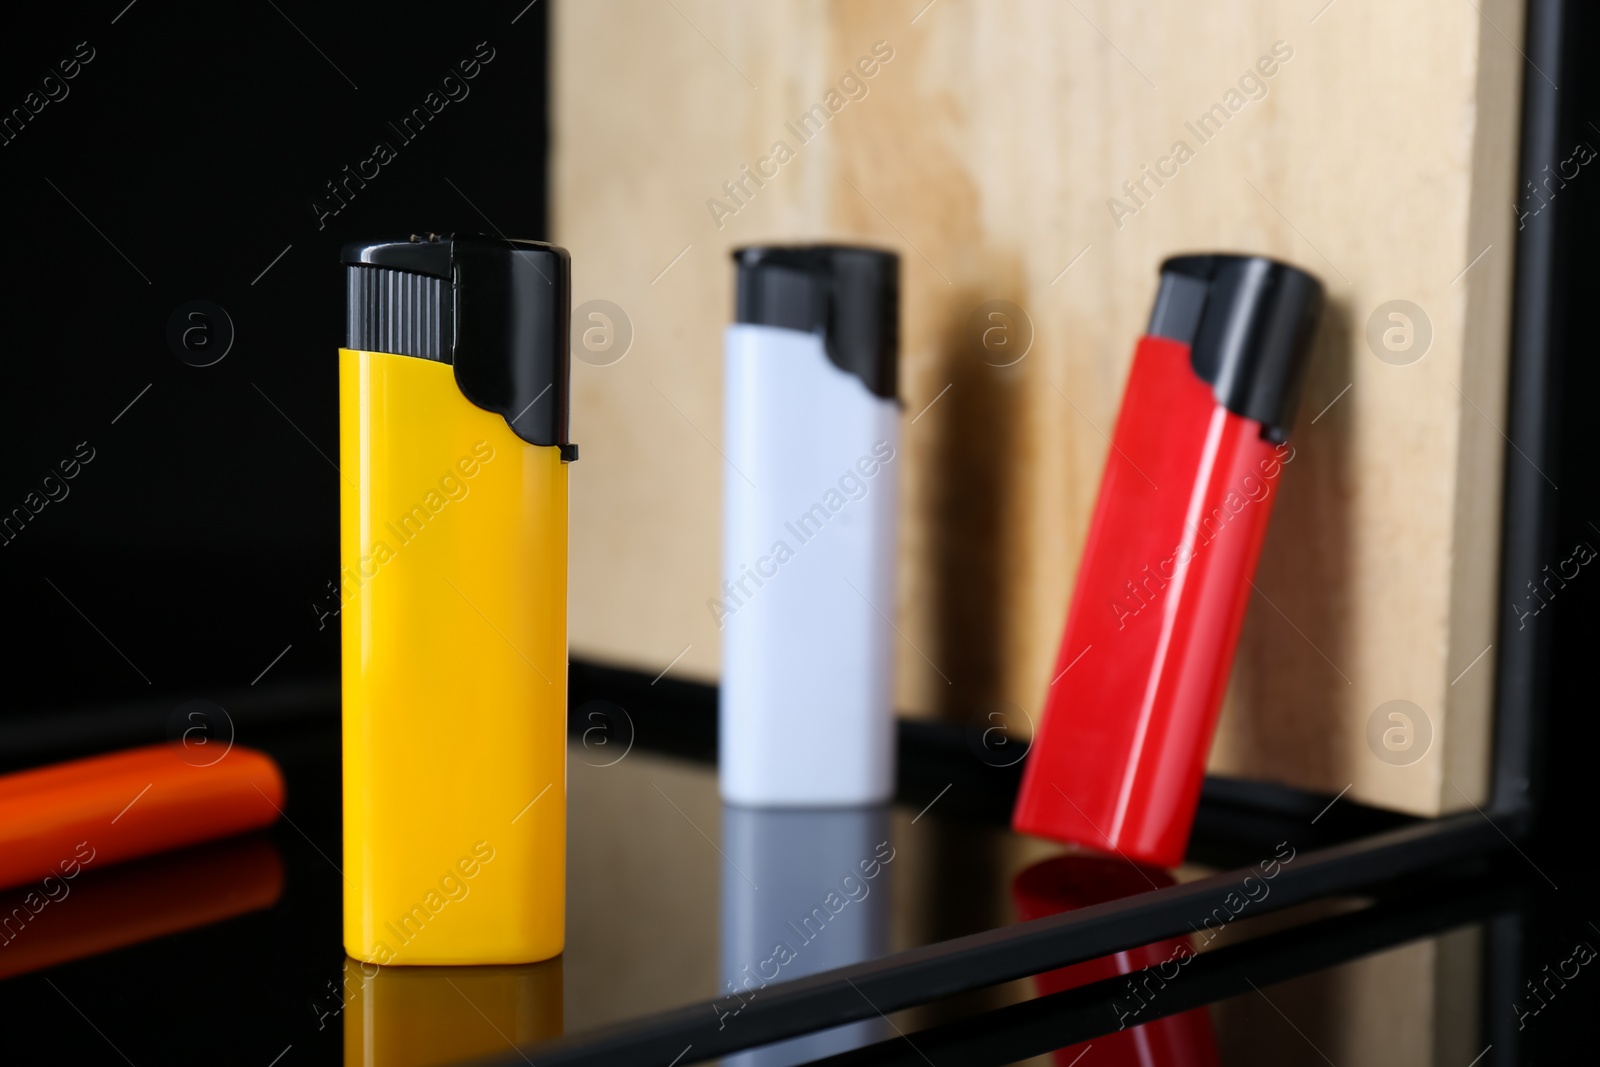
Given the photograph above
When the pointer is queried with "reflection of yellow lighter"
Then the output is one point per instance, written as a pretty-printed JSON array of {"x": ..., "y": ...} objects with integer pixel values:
[
  {"x": 453, "y": 391},
  {"x": 404, "y": 1017}
]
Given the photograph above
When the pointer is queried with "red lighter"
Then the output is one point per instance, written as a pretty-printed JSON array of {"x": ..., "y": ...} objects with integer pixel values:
[{"x": 1200, "y": 443}]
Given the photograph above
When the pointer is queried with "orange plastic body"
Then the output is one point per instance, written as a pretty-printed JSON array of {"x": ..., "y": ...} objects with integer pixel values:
[{"x": 94, "y": 812}]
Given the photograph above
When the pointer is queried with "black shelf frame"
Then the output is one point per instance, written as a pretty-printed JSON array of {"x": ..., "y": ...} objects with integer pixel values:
[
  {"x": 1418, "y": 908},
  {"x": 1355, "y": 850}
]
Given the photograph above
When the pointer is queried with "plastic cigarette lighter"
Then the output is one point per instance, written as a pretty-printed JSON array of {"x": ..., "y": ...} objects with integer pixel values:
[
  {"x": 1199, "y": 447},
  {"x": 105, "y": 809},
  {"x": 453, "y": 392},
  {"x": 811, "y": 427}
]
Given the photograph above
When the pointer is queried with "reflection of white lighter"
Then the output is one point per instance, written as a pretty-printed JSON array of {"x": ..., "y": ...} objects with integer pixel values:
[
  {"x": 811, "y": 427},
  {"x": 823, "y": 902}
]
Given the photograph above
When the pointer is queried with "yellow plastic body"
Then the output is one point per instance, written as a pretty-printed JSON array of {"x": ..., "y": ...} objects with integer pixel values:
[
  {"x": 410, "y": 1017},
  {"x": 453, "y": 585}
]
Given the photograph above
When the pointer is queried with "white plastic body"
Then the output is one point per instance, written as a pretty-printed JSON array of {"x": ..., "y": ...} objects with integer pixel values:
[{"x": 811, "y": 492}]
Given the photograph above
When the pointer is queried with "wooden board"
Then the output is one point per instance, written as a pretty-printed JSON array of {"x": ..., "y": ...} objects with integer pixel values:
[{"x": 990, "y": 147}]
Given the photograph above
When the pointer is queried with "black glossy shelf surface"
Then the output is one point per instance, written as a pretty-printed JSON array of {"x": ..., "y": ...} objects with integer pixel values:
[{"x": 231, "y": 951}]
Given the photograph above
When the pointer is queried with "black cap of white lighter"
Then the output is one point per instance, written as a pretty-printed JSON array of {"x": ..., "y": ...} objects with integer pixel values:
[{"x": 849, "y": 295}]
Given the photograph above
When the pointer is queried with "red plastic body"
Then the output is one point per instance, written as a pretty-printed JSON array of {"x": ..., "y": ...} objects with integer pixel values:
[
  {"x": 1066, "y": 883},
  {"x": 1119, "y": 754}
]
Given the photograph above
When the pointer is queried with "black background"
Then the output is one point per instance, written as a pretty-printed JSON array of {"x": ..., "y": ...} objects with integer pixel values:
[{"x": 195, "y": 544}]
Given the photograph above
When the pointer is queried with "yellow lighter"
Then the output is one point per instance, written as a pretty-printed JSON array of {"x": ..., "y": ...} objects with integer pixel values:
[{"x": 453, "y": 393}]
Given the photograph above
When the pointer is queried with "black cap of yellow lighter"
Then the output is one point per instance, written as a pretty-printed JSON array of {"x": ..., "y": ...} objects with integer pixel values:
[{"x": 498, "y": 310}]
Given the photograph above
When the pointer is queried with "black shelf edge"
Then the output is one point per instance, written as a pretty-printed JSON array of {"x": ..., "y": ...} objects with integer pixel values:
[{"x": 1424, "y": 908}]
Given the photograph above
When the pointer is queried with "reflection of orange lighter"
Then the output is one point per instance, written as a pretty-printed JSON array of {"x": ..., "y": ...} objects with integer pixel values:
[
  {"x": 105, "y": 809},
  {"x": 1069, "y": 882},
  {"x": 74, "y": 918}
]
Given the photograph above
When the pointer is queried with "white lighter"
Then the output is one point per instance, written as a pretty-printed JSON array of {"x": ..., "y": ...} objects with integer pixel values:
[{"x": 811, "y": 427}]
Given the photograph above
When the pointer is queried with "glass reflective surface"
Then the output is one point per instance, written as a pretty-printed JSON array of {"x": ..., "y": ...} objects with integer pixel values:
[{"x": 231, "y": 952}]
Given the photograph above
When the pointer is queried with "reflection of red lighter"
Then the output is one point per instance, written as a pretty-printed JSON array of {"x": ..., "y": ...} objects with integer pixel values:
[
  {"x": 1068, "y": 882},
  {"x": 1188, "y": 486}
]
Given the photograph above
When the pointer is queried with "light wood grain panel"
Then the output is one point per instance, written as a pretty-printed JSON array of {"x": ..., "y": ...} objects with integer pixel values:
[{"x": 1381, "y": 157}]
